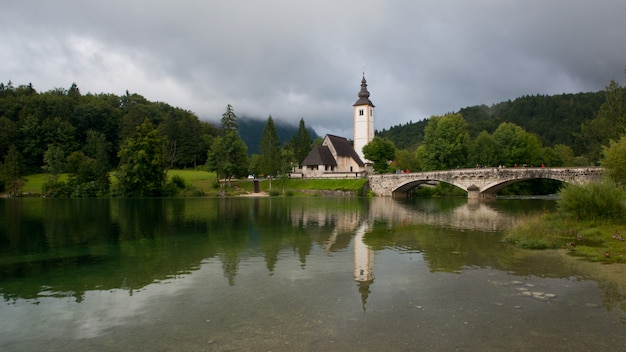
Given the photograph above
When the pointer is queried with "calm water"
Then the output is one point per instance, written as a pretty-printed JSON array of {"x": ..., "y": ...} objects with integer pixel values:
[{"x": 294, "y": 274}]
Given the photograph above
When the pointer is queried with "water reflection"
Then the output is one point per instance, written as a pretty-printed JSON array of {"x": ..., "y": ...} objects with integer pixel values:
[
  {"x": 130, "y": 243},
  {"x": 87, "y": 268}
]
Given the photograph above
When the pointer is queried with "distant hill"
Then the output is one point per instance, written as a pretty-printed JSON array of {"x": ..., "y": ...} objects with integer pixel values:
[
  {"x": 251, "y": 131},
  {"x": 554, "y": 119}
]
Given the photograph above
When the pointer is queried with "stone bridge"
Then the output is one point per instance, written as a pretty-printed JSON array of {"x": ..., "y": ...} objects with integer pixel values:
[{"x": 480, "y": 182}]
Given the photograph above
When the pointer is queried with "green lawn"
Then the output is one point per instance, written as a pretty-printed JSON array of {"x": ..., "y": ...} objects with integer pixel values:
[{"x": 205, "y": 183}]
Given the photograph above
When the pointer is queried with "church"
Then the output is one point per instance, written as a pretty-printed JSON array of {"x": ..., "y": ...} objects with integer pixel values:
[{"x": 336, "y": 157}]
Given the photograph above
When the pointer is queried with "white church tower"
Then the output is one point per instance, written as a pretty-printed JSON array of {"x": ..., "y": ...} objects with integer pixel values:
[{"x": 363, "y": 120}]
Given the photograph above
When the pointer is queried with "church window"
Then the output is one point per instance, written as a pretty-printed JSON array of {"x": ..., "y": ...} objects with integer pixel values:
[{"x": 361, "y": 112}]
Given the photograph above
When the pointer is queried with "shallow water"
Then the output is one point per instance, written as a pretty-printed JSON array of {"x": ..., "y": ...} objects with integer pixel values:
[{"x": 300, "y": 274}]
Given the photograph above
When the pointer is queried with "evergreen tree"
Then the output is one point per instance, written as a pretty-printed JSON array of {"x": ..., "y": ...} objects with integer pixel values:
[
  {"x": 301, "y": 142},
  {"x": 229, "y": 120},
  {"x": 269, "y": 147}
]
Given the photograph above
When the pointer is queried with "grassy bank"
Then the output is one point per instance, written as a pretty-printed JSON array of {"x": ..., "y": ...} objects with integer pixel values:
[
  {"x": 202, "y": 183},
  {"x": 597, "y": 241}
]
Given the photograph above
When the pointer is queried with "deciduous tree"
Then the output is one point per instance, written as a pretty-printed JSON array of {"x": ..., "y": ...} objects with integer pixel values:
[
  {"x": 381, "y": 152},
  {"x": 11, "y": 172},
  {"x": 614, "y": 160},
  {"x": 446, "y": 142},
  {"x": 142, "y": 169},
  {"x": 228, "y": 156}
]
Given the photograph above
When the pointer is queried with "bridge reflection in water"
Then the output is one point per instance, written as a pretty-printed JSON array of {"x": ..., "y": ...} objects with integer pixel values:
[{"x": 466, "y": 215}]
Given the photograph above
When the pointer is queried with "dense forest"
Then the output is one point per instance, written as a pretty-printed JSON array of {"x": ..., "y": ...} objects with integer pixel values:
[
  {"x": 64, "y": 117},
  {"x": 556, "y": 119}
]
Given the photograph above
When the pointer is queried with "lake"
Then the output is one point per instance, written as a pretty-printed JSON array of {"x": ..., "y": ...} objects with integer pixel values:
[{"x": 294, "y": 274}]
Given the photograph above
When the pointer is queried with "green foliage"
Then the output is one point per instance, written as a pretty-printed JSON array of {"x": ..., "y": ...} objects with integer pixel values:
[
  {"x": 553, "y": 119},
  {"x": 270, "y": 157},
  {"x": 446, "y": 143},
  {"x": 228, "y": 121},
  {"x": 54, "y": 161},
  {"x": 228, "y": 156},
  {"x": 381, "y": 152},
  {"x": 484, "y": 150},
  {"x": 407, "y": 136},
  {"x": 65, "y": 118},
  {"x": 609, "y": 124},
  {"x": 406, "y": 160},
  {"x": 516, "y": 146},
  {"x": 251, "y": 132},
  {"x": 596, "y": 200},
  {"x": 441, "y": 190},
  {"x": 175, "y": 186},
  {"x": 11, "y": 172},
  {"x": 301, "y": 142},
  {"x": 274, "y": 192},
  {"x": 142, "y": 166},
  {"x": 614, "y": 160}
]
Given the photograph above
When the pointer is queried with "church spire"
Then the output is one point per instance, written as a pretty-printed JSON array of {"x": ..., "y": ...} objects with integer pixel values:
[{"x": 364, "y": 94}]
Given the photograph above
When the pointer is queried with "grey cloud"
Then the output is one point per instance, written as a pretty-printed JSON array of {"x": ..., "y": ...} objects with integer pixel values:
[{"x": 304, "y": 59}]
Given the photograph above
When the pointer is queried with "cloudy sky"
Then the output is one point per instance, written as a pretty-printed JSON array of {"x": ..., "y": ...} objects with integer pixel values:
[{"x": 304, "y": 59}]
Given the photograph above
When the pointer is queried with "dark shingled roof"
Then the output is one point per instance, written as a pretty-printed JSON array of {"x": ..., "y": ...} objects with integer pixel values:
[
  {"x": 319, "y": 155},
  {"x": 344, "y": 148},
  {"x": 364, "y": 95}
]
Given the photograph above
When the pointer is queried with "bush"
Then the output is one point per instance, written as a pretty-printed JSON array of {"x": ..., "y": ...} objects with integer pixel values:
[
  {"x": 56, "y": 189},
  {"x": 178, "y": 181},
  {"x": 274, "y": 192},
  {"x": 596, "y": 200}
]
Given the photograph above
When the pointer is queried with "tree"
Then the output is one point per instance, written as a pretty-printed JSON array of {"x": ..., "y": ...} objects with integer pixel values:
[
  {"x": 381, "y": 152},
  {"x": 228, "y": 156},
  {"x": 229, "y": 120},
  {"x": 142, "y": 171},
  {"x": 301, "y": 142},
  {"x": 32, "y": 143},
  {"x": 11, "y": 172},
  {"x": 609, "y": 124},
  {"x": 286, "y": 158},
  {"x": 54, "y": 161},
  {"x": 97, "y": 149},
  {"x": 406, "y": 160},
  {"x": 446, "y": 142},
  {"x": 269, "y": 149},
  {"x": 484, "y": 150},
  {"x": 516, "y": 146},
  {"x": 614, "y": 160}
]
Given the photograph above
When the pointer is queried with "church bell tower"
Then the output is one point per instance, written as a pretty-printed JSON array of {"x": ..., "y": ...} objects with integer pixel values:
[{"x": 363, "y": 120}]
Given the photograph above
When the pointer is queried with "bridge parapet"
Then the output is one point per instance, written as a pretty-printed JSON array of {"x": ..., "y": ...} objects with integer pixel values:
[{"x": 479, "y": 182}]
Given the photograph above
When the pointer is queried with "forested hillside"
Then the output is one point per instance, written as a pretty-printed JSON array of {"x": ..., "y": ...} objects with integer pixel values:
[
  {"x": 554, "y": 119},
  {"x": 251, "y": 131},
  {"x": 64, "y": 118},
  {"x": 33, "y": 121}
]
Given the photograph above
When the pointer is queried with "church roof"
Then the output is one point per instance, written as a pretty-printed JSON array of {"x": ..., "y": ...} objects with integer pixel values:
[
  {"x": 344, "y": 148},
  {"x": 364, "y": 95},
  {"x": 319, "y": 155}
]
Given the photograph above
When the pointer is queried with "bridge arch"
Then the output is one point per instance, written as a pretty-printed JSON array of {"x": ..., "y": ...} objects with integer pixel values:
[{"x": 405, "y": 188}]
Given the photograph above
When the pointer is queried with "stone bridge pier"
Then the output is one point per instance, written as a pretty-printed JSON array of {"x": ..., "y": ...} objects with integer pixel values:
[{"x": 479, "y": 183}]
